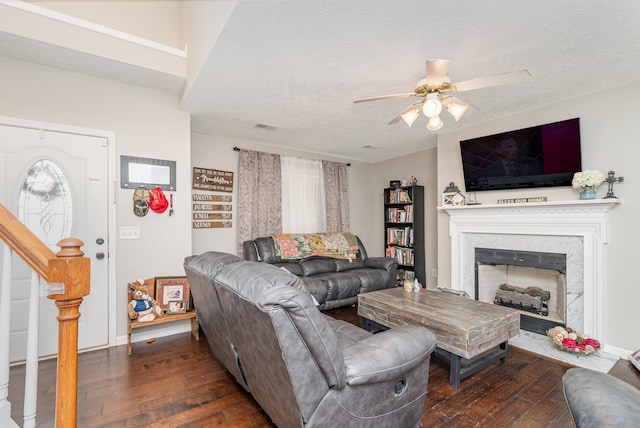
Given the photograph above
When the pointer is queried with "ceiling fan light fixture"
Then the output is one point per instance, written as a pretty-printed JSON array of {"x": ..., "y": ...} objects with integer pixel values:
[
  {"x": 434, "y": 123},
  {"x": 432, "y": 107},
  {"x": 410, "y": 116},
  {"x": 456, "y": 110}
]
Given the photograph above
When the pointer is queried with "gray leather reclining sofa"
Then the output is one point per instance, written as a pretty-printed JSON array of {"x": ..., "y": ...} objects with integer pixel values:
[
  {"x": 332, "y": 282},
  {"x": 304, "y": 368}
]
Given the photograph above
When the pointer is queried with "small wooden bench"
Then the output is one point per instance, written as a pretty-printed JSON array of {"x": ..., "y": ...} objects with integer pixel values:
[
  {"x": 195, "y": 325},
  {"x": 468, "y": 329}
]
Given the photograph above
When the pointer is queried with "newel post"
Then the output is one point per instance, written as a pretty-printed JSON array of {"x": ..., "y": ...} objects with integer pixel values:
[{"x": 72, "y": 269}]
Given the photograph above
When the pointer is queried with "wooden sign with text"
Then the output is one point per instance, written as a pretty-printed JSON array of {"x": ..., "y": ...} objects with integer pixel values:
[
  {"x": 199, "y": 197},
  {"x": 212, "y": 216},
  {"x": 211, "y": 224},
  {"x": 211, "y": 207},
  {"x": 212, "y": 180},
  {"x": 211, "y": 211}
]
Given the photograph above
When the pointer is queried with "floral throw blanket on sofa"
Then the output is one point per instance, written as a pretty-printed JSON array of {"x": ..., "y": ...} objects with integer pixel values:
[{"x": 299, "y": 246}]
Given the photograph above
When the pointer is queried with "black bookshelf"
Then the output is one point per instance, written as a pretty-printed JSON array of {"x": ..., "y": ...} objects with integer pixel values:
[{"x": 404, "y": 230}]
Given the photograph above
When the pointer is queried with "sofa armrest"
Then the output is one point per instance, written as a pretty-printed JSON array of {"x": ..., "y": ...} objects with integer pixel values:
[
  {"x": 387, "y": 355},
  {"x": 599, "y": 399},
  {"x": 385, "y": 263}
]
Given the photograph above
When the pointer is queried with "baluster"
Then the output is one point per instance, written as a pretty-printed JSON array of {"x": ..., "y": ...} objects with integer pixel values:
[
  {"x": 5, "y": 325},
  {"x": 31, "y": 366}
]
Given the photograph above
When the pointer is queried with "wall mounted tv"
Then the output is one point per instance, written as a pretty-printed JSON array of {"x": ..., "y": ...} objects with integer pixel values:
[{"x": 540, "y": 156}]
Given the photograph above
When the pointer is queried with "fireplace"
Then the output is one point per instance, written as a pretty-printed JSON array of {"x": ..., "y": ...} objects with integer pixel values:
[
  {"x": 535, "y": 283},
  {"x": 577, "y": 229}
]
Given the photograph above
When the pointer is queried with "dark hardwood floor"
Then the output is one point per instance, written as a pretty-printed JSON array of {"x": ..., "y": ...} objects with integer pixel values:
[{"x": 177, "y": 382}]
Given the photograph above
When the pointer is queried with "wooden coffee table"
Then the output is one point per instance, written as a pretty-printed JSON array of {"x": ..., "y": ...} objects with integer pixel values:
[{"x": 475, "y": 331}]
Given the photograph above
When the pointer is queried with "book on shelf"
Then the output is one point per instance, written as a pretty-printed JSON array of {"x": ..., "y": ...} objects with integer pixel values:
[
  {"x": 400, "y": 215},
  {"x": 400, "y": 236},
  {"x": 404, "y": 256},
  {"x": 398, "y": 196}
]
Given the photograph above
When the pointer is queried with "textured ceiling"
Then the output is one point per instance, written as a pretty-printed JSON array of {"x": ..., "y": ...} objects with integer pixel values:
[{"x": 298, "y": 66}]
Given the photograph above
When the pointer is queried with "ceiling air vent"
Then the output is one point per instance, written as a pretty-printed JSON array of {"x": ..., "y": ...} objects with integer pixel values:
[{"x": 267, "y": 127}]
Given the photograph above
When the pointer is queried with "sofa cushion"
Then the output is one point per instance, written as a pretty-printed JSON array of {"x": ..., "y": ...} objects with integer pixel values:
[
  {"x": 316, "y": 265},
  {"x": 373, "y": 279},
  {"x": 291, "y": 266},
  {"x": 340, "y": 285},
  {"x": 342, "y": 265},
  {"x": 347, "y": 333},
  {"x": 316, "y": 287},
  {"x": 266, "y": 250}
]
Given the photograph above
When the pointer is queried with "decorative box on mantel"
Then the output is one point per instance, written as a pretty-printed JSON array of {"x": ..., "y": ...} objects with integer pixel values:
[{"x": 554, "y": 226}]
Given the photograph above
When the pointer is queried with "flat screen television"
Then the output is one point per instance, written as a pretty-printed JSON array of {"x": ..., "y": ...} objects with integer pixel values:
[{"x": 540, "y": 156}]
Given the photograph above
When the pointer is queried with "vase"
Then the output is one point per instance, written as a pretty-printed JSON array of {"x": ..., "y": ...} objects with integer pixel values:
[{"x": 588, "y": 193}]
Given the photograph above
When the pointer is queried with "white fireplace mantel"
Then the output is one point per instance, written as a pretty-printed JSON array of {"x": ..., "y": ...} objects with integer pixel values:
[{"x": 584, "y": 219}]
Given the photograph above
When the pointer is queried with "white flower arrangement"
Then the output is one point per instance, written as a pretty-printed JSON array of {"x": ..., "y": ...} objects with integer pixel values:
[{"x": 587, "y": 178}]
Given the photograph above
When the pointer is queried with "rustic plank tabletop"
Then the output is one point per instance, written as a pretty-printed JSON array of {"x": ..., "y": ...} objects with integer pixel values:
[{"x": 463, "y": 326}]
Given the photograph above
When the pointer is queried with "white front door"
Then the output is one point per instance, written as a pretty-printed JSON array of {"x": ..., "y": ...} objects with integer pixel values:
[{"x": 56, "y": 183}]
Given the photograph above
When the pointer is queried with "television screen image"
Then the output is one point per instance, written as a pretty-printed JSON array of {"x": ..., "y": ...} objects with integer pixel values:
[{"x": 539, "y": 156}]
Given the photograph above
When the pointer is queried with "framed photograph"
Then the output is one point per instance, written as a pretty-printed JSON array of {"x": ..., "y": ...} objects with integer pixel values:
[
  {"x": 177, "y": 307},
  {"x": 172, "y": 288}
]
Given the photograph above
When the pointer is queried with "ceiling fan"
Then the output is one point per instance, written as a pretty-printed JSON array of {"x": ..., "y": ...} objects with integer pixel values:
[{"x": 436, "y": 91}]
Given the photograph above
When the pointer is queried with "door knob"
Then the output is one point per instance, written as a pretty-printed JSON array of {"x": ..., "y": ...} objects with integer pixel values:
[{"x": 99, "y": 256}]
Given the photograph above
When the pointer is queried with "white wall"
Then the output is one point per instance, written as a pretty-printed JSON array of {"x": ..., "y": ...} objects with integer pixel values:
[
  {"x": 608, "y": 130},
  {"x": 366, "y": 202},
  {"x": 147, "y": 124},
  {"x": 201, "y": 24},
  {"x": 149, "y": 19},
  {"x": 421, "y": 165},
  {"x": 217, "y": 153}
]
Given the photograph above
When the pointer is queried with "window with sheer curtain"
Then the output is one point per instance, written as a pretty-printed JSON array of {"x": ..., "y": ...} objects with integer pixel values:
[
  {"x": 292, "y": 195},
  {"x": 303, "y": 196}
]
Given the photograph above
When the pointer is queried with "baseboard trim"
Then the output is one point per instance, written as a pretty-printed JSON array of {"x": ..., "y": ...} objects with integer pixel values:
[{"x": 619, "y": 352}]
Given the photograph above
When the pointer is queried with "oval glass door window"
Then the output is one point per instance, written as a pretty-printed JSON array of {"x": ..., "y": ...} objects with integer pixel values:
[{"x": 45, "y": 203}]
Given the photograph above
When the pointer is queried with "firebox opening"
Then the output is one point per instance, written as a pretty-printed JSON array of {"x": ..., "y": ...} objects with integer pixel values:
[{"x": 531, "y": 273}]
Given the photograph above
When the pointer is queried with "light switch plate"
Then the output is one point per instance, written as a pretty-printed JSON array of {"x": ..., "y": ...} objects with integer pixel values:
[{"x": 129, "y": 232}]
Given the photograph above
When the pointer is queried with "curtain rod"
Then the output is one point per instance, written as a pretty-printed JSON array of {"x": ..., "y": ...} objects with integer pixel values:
[{"x": 237, "y": 149}]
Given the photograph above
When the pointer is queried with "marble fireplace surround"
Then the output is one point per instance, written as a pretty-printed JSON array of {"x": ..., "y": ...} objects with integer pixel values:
[{"x": 576, "y": 228}]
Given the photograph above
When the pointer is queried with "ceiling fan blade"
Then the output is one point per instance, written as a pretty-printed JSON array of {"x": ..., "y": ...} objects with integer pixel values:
[
  {"x": 409, "y": 120},
  {"x": 494, "y": 80},
  {"x": 386, "y": 97},
  {"x": 436, "y": 71}
]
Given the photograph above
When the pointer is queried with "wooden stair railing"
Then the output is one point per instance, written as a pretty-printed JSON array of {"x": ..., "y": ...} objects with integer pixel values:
[{"x": 67, "y": 267}]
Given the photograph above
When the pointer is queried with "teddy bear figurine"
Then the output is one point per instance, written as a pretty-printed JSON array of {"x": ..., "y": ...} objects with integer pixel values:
[{"x": 142, "y": 307}]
